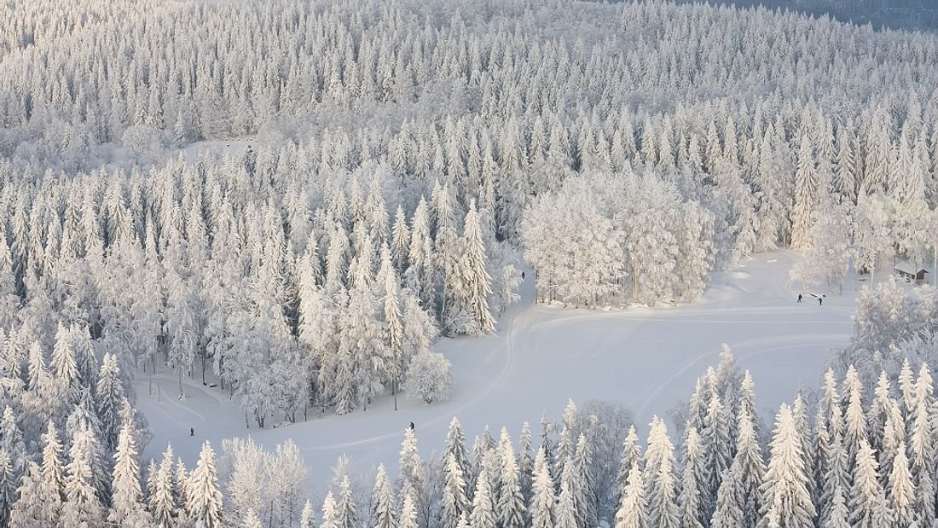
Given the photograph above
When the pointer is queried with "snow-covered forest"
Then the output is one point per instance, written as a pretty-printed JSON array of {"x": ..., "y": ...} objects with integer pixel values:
[
  {"x": 865, "y": 458},
  {"x": 290, "y": 202},
  {"x": 919, "y": 15}
]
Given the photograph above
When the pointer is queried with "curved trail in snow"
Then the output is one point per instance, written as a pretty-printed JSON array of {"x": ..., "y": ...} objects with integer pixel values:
[{"x": 644, "y": 359}]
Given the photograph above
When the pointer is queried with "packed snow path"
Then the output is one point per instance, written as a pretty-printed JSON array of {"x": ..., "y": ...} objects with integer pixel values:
[{"x": 645, "y": 359}]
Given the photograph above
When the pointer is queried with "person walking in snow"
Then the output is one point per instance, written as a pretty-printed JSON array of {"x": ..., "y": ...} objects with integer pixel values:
[
  {"x": 820, "y": 301},
  {"x": 799, "y": 298},
  {"x": 192, "y": 431},
  {"x": 411, "y": 426},
  {"x": 522, "y": 275}
]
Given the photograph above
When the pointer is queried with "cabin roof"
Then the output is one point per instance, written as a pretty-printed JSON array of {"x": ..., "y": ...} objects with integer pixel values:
[{"x": 909, "y": 269}]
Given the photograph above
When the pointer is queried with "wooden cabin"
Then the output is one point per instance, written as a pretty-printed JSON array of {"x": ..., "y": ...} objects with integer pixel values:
[{"x": 911, "y": 273}]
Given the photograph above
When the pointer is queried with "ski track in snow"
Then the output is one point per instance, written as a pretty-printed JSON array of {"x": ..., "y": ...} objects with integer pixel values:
[{"x": 646, "y": 359}]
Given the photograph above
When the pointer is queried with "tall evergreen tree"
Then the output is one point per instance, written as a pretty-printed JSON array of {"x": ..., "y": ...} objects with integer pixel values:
[
  {"x": 203, "y": 497},
  {"x": 868, "y": 506},
  {"x": 383, "y": 513},
  {"x": 455, "y": 500},
  {"x": 728, "y": 512},
  {"x": 53, "y": 476},
  {"x": 542, "y": 508},
  {"x": 82, "y": 505},
  {"x": 692, "y": 477},
  {"x": 785, "y": 487},
  {"x": 659, "y": 467},
  {"x": 127, "y": 495},
  {"x": 511, "y": 506},
  {"x": 631, "y": 512},
  {"x": 483, "y": 507}
]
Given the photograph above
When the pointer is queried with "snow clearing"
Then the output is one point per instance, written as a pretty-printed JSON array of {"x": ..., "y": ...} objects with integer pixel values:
[{"x": 644, "y": 359}]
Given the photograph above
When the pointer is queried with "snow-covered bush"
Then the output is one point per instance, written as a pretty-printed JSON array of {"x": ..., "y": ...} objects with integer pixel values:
[{"x": 429, "y": 378}]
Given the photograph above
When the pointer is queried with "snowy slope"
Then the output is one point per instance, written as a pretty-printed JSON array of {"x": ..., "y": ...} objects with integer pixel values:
[{"x": 542, "y": 356}]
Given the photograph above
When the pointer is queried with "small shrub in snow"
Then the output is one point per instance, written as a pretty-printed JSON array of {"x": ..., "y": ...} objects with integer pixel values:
[{"x": 428, "y": 378}]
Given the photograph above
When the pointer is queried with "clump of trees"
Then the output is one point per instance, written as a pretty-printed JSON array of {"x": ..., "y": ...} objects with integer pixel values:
[{"x": 616, "y": 239}]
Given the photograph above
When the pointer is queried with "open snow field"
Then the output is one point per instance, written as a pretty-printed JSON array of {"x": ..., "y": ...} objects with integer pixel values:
[{"x": 645, "y": 359}]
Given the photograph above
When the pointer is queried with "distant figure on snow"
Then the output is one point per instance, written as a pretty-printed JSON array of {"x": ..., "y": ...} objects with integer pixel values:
[
  {"x": 192, "y": 431},
  {"x": 799, "y": 298},
  {"x": 522, "y": 275},
  {"x": 820, "y": 301},
  {"x": 411, "y": 426}
]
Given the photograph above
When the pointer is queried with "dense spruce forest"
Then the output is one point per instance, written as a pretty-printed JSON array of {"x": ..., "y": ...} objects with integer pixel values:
[{"x": 292, "y": 201}]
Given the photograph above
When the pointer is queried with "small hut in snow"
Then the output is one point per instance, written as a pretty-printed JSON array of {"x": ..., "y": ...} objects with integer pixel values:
[{"x": 911, "y": 273}]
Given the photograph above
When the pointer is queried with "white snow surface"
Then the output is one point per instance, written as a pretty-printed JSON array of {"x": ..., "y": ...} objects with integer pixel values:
[{"x": 541, "y": 356}]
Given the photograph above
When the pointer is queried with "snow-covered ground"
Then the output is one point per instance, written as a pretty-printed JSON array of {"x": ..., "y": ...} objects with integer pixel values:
[{"x": 645, "y": 359}]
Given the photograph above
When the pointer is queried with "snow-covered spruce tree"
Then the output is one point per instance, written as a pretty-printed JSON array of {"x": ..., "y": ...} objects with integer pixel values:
[
  {"x": 878, "y": 412},
  {"x": 163, "y": 496},
  {"x": 785, "y": 491},
  {"x": 632, "y": 510},
  {"x": 307, "y": 516},
  {"x": 398, "y": 357},
  {"x": 483, "y": 508},
  {"x": 52, "y": 482},
  {"x": 8, "y": 484},
  {"x": 109, "y": 395},
  {"x": 659, "y": 483},
  {"x": 411, "y": 466},
  {"x": 64, "y": 366},
  {"x": 455, "y": 445},
  {"x": 408, "y": 516},
  {"x": 203, "y": 497},
  {"x": 510, "y": 509},
  {"x": 838, "y": 517},
  {"x": 567, "y": 514},
  {"x": 868, "y": 505},
  {"x": 526, "y": 459},
  {"x": 542, "y": 507},
  {"x": 346, "y": 509},
  {"x": 717, "y": 450},
  {"x": 728, "y": 512},
  {"x": 900, "y": 490},
  {"x": 631, "y": 453},
  {"x": 82, "y": 505},
  {"x": 587, "y": 478},
  {"x": 127, "y": 495},
  {"x": 855, "y": 418},
  {"x": 800, "y": 413},
  {"x": 806, "y": 188},
  {"x": 383, "y": 514},
  {"x": 454, "y": 500},
  {"x": 251, "y": 520},
  {"x": 31, "y": 510},
  {"x": 749, "y": 468},
  {"x": 469, "y": 312},
  {"x": 693, "y": 476},
  {"x": 419, "y": 274},
  {"x": 330, "y": 514}
]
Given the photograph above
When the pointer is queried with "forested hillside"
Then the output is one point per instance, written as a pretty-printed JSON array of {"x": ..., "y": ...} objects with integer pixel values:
[
  {"x": 918, "y": 15},
  {"x": 291, "y": 200}
]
